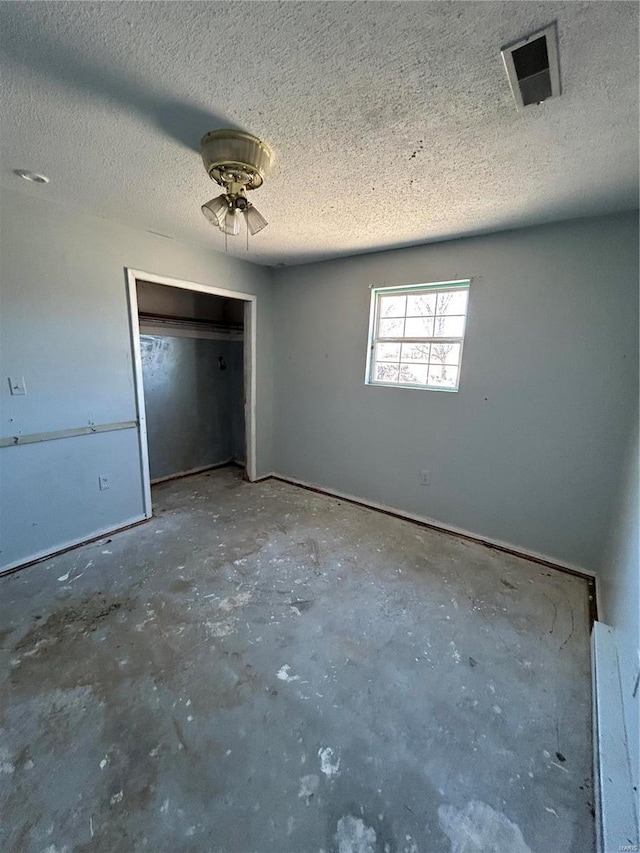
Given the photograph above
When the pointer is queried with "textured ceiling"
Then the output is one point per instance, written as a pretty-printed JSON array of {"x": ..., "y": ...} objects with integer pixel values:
[{"x": 392, "y": 123}]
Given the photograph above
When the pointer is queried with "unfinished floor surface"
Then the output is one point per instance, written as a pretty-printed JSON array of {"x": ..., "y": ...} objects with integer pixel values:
[{"x": 263, "y": 669}]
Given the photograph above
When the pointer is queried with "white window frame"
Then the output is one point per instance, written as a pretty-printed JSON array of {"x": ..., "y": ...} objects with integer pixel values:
[{"x": 374, "y": 317}]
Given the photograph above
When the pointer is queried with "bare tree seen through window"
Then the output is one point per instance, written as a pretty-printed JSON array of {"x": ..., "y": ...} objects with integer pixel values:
[{"x": 441, "y": 352}]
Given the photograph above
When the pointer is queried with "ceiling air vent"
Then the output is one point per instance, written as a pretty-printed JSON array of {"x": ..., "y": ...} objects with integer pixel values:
[{"x": 532, "y": 67}]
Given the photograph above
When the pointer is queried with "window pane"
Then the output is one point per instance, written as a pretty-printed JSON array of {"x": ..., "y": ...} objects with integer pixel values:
[
  {"x": 391, "y": 328},
  {"x": 386, "y": 372},
  {"x": 388, "y": 352},
  {"x": 416, "y": 352},
  {"x": 443, "y": 375},
  {"x": 445, "y": 353},
  {"x": 415, "y": 374},
  {"x": 421, "y": 305},
  {"x": 417, "y": 335},
  {"x": 452, "y": 302},
  {"x": 449, "y": 327},
  {"x": 392, "y": 306},
  {"x": 419, "y": 327}
]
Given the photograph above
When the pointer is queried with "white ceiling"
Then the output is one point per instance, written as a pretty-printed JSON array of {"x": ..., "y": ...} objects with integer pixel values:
[{"x": 392, "y": 123}]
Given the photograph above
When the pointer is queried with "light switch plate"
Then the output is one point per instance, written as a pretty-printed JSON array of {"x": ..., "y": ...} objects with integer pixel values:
[{"x": 17, "y": 386}]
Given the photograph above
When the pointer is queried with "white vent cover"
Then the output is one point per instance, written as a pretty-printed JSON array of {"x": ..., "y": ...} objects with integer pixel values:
[{"x": 532, "y": 67}]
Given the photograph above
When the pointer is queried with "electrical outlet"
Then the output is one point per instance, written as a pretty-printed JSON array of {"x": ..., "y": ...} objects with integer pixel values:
[
  {"x": 104, "y": 483},
  {"x": 17, "y": 386},
  {"x": 425, "y": 478}
]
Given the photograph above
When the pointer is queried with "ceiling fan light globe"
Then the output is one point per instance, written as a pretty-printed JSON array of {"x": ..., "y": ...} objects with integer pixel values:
[
  {"x": 215, "y": 210},
  {"x": 231, "y": 223},
  {"x": 255, "y": 220}
]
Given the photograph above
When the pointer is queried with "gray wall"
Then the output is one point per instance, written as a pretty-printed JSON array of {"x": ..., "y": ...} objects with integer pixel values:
[
  {"x": 64, "y": 327},
  {"x": 190, "y": 403},
  {"x": 530, "y": 451},
  {"x": 619, "y": 597}
]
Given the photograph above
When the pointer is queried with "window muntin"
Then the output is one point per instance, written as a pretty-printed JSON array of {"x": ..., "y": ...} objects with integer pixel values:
[{"x": 417, "y": 334}]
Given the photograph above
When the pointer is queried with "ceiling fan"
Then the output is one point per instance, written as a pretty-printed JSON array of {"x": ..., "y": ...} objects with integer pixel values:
[{"x": 238, "y": 162}]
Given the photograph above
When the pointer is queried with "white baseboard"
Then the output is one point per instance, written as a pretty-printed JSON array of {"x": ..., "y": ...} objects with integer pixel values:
[
  {"x": 616, "y": 818},
  {"x": 443, "y": 526},
  {"x": 409, "y": 516},
  {"x": 262, "y": 477},
  {"x": 199, "y": 470},
  {"x": 66, "y": 546}
]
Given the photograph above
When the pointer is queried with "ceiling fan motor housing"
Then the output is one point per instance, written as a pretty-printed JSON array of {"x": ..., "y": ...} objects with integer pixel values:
[{"x": 232, "y": 157}]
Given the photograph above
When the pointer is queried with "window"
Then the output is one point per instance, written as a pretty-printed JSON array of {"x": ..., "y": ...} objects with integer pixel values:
[{"x": 416, "y": 335}]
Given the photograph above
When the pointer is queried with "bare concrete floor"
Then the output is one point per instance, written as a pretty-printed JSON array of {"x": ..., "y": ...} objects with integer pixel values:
[{"x": 261, "y": 669}]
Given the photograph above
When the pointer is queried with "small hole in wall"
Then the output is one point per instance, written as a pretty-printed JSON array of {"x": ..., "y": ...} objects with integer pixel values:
[{"x": 222, "y": 363}]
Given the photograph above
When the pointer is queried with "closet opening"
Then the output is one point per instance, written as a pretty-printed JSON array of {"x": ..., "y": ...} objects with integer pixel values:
[{"x": 194, "y": 354}]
